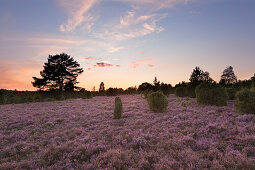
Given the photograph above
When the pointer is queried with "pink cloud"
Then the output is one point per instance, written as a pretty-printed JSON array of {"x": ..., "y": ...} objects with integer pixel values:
[
  {"x": 89, "y": 58},
  {"x": 103, "y": 65},
  {"x": 141, "y": 52},
  {"x": 141, "y": 62},
  {"x": 89, "y": 68},
  {"x": 117, "y": 65}
]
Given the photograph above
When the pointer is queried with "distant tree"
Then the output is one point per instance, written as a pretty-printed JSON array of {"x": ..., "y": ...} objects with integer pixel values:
[
  {"x": 131, "y": 90},
  {"x": 101, "y": 87},
  {"x": 198, "y": 76},
  {"x": 228, "y": 76},
  {"x": 59, "y": 73},
  {"x": 253, "y": 77},
  {"x": 156, "y": 83},
  {"x": 145, "y": 86},
  {"x": 94, "y": 88}
]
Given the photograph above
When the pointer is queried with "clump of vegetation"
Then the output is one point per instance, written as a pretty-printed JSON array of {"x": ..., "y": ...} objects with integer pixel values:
[
  {"x": 157, "y": 101},
  {"x": 190, "y": 91},
  {"x": 178, "y": 99},
  {"x": 185, "y": 104},
  {"x": 245, "y": 101},
  {"x": 211, "y": 94},
  {"x": 146, "y": 93},
  {"x": 14, "y": 97},
  {"x": 118, "y": 109},
  {"x": 231, "y": 93},
  {"x": 180, "y": 92}
]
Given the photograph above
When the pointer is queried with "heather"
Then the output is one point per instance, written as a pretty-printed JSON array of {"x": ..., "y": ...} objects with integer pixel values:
[{"x": 81, "y": 134}]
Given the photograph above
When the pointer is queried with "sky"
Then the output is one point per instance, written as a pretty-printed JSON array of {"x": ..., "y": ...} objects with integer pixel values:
[{"x": 124, "y": 43}]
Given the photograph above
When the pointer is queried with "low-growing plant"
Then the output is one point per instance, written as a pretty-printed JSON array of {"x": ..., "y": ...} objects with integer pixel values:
[
  {"x": 180, "y": 92},
  {"x": 245, "y": 101},
  {"x": 211, "y": 94},
  {"x": 183, "y": 104},
  {"x": 178, "y": 99},
  {"x": 118, "y": 109},
  {"x": 157, "y": 101}
]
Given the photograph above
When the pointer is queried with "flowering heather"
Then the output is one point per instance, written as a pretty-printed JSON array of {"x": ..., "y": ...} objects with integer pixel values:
[{"x": 81, "y": 134}]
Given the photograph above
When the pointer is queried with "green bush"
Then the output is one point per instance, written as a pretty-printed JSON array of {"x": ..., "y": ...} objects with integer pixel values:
[
  {"x": 190, "y": 91},
  {"x": 231, "y": 93},
  {"x": 253, "y": 85},
  {"x": 118, "y": 109},
  {"x": 245, "y": 101},
  {"x": 211, "y": 94},
  {"x": 180, "y": 92},
  {"x": 146, "y": 92},
  {"x": 157, "y": 101}
]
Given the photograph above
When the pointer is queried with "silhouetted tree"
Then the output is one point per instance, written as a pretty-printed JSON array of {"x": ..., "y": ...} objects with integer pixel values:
[
  {"x": 156, "y": 83},
  {"x": 253, "y": 77},
  {"x": 131, "y": 90},
  {"x": 228, "y": 76},
  {"x": 145, "y": 86},
  {"x": 101, "y": 87},
  {"x": 198, "y": 76},
  {"x": 59, "y": 73},
  {"x": 94, "y": 88}
]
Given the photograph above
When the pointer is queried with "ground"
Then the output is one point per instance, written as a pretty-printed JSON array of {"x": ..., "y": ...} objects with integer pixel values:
[{"x": 82, "y": 134}]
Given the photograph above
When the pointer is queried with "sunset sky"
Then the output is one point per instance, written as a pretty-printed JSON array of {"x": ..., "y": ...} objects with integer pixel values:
[{"x": 126, "y": 42}]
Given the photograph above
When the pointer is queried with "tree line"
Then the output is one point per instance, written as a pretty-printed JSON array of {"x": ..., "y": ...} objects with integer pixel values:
[{"x": 60, "y": 73}]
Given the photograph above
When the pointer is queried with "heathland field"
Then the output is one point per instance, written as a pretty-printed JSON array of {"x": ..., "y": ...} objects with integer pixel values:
[{"x": 82, "y": 134}]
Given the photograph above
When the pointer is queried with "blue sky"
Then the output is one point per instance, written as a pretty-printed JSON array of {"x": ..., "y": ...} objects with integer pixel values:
[{"x": 135, "y": 39}]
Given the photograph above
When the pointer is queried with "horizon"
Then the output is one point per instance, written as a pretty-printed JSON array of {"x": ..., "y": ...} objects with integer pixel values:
[{"x": 125, "y": 43}]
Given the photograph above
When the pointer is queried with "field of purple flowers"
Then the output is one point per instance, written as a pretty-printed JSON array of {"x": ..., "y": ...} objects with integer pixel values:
[{"x": 82, "y": 134}]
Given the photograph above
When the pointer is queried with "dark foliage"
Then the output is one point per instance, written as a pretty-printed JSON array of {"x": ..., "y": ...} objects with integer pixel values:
[
  {"x": 231, "y": 93},
  {"x": 101, "y": 87},
  {"x": 157, "y": 101},
  {"x": 211, "y": 94},
  {"x": 131, "y": 90},
  {"x": 166, "y": 88},
  {"x": 114, "y": 91},
  {"x": 228, "y": 76},
  {"x": 59, "y": 73},
  {"x": 14, "y": 97},
  {"x": 180, "y": 91},
  {"x": 145, "y": 86},
  {"x": 198, "y": 76},
  {"x": 245, "y": 101}
]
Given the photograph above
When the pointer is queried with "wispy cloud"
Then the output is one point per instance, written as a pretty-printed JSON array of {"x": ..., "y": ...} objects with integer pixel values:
[
  {"x": 138, "y": 63},
  {"x": 114, "y": 49},
  {"x": 78, "y": 14},
  {"x": 102, "y": 64},
  {"x": 132, "y": 25},
  {"x": 89, "y": 58}
]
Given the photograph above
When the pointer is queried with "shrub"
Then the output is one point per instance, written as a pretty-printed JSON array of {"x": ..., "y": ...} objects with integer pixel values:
[
  {"x": 118, "y": 108},
  {"x": 190, "y": 91},
  {"x": 245, "y": 101},
  {"x": 157, "y": 101},
  {"x": 180, "y": 92},
  {"x": 231, "y": 93},
  {"x": 211, "y": 94},
  {"x": 253, "y": 85},
  {"x": 146, "y": 93}
]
